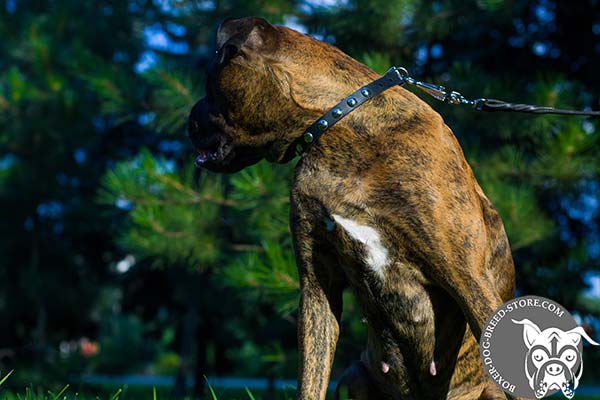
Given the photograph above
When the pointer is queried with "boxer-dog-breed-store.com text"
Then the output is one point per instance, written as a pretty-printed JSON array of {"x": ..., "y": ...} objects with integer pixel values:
[{"x": 383, "y": 204}]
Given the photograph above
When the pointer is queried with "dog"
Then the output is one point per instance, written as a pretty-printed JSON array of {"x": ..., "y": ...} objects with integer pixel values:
[
  {"x": 553, "y": 360},
  {"x": 383, "y": 204}
]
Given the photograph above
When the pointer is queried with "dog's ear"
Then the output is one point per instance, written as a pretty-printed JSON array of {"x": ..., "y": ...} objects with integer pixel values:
[
  {"x": 577, "y": 333},
  {"x": 251, "y": 32},
  {"x": 530, "y": 331}
]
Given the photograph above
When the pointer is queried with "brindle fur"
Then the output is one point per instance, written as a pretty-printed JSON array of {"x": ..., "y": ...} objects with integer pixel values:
[{"x": 392, "y": 165}]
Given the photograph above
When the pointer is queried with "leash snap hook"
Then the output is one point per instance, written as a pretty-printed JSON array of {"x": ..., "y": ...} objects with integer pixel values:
[
  {"x": 478, "y": 104},
  {"x": 455, "y": 98}
]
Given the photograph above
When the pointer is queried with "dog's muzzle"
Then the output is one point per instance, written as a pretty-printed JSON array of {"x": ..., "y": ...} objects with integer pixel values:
[
  {"x": 205, "y": 137},
  {"x": 554, "y": 375},
  {"x": 217, "y": 151}
]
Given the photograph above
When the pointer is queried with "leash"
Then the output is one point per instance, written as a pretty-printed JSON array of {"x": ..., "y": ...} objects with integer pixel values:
[
  {"x": 400, "y": 76},
  {"x": 453, "y": 97}
]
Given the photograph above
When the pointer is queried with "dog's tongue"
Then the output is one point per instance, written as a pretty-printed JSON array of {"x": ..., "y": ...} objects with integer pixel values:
[{"x": 202, "y": 158}]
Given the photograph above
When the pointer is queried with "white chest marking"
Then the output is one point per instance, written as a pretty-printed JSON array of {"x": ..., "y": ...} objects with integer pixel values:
[{"x": 377, "y": 255}]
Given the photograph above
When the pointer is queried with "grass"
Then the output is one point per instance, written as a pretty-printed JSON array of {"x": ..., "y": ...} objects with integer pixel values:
[
  {"x": 128, "y": 393},
  {"x": 145, "y": 393},
  {"x": 123, "y": 394}
]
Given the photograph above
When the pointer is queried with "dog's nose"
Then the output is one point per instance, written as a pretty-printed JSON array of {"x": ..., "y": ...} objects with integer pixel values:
[{"x": 554, "y": 369}]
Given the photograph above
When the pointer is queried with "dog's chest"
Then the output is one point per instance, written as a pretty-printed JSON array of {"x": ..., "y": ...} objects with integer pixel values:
[
  {"x": 349, "y": 223},
  {"x": 363, "y": 242},
  {"x": 351, "y": 220}
]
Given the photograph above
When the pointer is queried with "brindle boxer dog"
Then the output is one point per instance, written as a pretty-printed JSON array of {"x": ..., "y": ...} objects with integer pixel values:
[{"x": 384, "y": 204}]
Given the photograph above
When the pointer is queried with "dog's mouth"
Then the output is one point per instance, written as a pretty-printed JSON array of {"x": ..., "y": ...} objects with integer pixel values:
[
  {"x": 213, "y": 155},
  {"x": 212, "y": 146},
  {"x": 227, "y": 159},
  {"x": 219, "y": 154},
  {"x": 217, "y": 151}
]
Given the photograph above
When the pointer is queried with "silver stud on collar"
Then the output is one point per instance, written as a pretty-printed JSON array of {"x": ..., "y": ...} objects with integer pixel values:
[
  {"x": 322, "y": 125},
  {"x": 392, "y": 78}
]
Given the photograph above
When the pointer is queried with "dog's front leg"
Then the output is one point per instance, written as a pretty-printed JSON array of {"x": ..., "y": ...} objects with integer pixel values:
[
  {"x": 321, "y": 288},
  {"x": 317, "y": 338}
]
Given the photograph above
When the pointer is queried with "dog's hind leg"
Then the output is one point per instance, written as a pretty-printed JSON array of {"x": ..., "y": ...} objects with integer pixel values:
[
  {"x": 474, "y": 265},
  {"x": 493, "y": 392}
]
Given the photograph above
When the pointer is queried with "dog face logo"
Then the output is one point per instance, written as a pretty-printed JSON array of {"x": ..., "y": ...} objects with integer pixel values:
[{"x": 553, "y": 360}]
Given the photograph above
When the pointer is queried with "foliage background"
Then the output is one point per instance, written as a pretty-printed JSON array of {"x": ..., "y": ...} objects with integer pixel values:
[{"x": 109, "y": 234}]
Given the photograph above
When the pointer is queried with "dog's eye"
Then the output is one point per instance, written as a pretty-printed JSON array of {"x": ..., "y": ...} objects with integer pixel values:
[
  {"x": 569, "y": 355},
  {"x": 227, "y": 52},
  {"x": 538, "y": 355}
]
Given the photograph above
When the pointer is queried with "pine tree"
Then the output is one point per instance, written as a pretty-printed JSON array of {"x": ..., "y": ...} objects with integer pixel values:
[{"x": 55, "y": 247}]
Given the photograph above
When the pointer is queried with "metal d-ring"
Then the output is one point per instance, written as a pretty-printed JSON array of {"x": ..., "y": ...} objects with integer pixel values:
[{"x": 403, "y": 72}]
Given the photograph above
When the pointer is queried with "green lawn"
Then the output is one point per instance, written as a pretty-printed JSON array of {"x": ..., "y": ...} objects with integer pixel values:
[
  {"x": 145, "y": 393},
  {"x": 129, "y": 393},
  {"x": 123, "y": 395},
  {"x": 88, "y": 392}
]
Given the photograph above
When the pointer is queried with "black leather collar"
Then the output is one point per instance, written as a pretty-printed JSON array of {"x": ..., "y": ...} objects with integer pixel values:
[{"x": 392, "y": 77}]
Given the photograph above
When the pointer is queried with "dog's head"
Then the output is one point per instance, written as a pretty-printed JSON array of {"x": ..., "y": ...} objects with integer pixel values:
[
  {"x": 264, "y": 86},
  {"x": 553, "y": 360}
]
